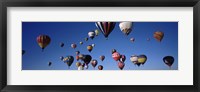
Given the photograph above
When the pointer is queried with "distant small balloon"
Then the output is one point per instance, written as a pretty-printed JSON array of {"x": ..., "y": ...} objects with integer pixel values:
[
  {"x": 77, "y": 52},
  {"x": 100, "y": 67},
  {"x": 78, "y": 64},
  {"x": 86, "y": 39},
  {"x": 168, "y": 60},
  {"x": 148, "y": 39},
  {"x": 94, "y": 63},
  {"x": 73, "y": 46},
  {"x": 81, "y": 43},
  {"x": 49, "y": 63},
  {"x": 89, "y": 48},
  {"x": 102, "y": 57},
  {"x": 69, "y": 60},
  {"x": 121, "y": 65},
  {"x": 91, "y": 34},
  {"x": 93, "y": 45},
  {"x": 61, "y": 44},
  {"x": 158, "y": 36},
  {"x": 132, "y": 39},
  {"x": 61, "y": 58},
  {"x": 122, "y": 58},
  {"x": 77, "y": 58},
  {"x": 134, "y": 59},
  {"x": 96, "y": 32},
  {"x": 142, "y": 59}
]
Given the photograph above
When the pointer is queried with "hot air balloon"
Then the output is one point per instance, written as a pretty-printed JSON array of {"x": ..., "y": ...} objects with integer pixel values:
[
  {"x": 61, "y": 58},
  {"x": 81, "y": 56},
  {"x": 81, "y": 43},
  {"x": 77, "y": 58},
  {"x": 78, "y": 64},
  {"x": 114, "y": 50},
  {"x": 96, "y": 32},
  {"x": 94, "y": 63},
  {"x": 168, "y": 60},
  {"x": 49, "y": 63},
  {"x": 121, "y": 65},
  {"x": 134, "y": 59},
  {"x": 77, "y": 52},
  {"x": 126, "y": 27},
  {"x": 132, "y": 39},
  {"x": 23, "y": 52},
  {"x": 116, "y": 56},
  {"x": 105, "y": 27},
  {"x": 102, "y": 57},
  {"x": 148, "y": 39},
  {"x": 43, "y": 41},
  {"x": 87, "y": 59},
  {"x": 100, "y": 67},
  {"x": 93, "y": 45},
  {"x": 73, "y": 46},
  {"x": 81, "y": 68},
  {"x": 91, "y": 34},
  {"x": 86, "y": 39},
  {"x": 61, "y": 44},
  {"x": 142, "y": 59},
  {"x": 122, "y": 58},
  {"x": 69, "y": 60},
  {"x": 89, "y": 48},
  {"x": 158, "y": 36}
]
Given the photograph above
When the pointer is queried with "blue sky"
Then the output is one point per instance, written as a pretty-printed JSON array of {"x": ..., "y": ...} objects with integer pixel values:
[{"x": 74, "y": 32}]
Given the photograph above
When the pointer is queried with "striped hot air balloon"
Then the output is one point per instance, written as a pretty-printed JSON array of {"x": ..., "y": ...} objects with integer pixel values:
[
  {"x": 43, "y": 41},
  {"x": 105, "y": 27}
]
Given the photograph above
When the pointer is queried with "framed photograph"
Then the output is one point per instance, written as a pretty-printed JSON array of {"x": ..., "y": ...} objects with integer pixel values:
[{"x": 131, "y": 45}]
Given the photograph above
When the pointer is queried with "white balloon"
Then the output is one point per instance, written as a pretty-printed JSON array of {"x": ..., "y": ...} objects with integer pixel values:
[
  {"x": 134, "y": 59},
  {"x": 126, "y": 27}
]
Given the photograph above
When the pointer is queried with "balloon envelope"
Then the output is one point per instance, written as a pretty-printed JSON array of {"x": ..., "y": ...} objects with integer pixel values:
[
  {"x": 126, "y": 27},
  {"x": 168, "y": 60},
  {"x": 102, "y": 57},
  {"x": 158, "y": 36},
  {"x": 69, "y": 60},
  {"x": 121, "y": 65},
  {"x": 142, "y": 59},
  {"x": 105, "y": 27},
  {"x": 96, "y": 32},
  {"x": 61, "y": 44},
  {"x": 49, "y": 63},
  {"x": 122, "y": 58},
  {"x": 81, "y": 43},
  {"x": 94, "y": 63},
  {"x": 91, "y": 34},
  {"x": 78, "y": 64},
  {"x": 87, "y": 59},
  {"x": 116, "y": 56},
  {"x": 100, "y": 67},
  {"x": 132, "y": 39},
  {"x": 43, "y": 41},
  {"x": 89, "y": 48},
  {"x": 73, "y": 46}
]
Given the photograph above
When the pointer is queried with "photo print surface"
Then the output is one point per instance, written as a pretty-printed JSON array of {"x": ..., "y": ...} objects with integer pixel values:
[{"x": 100, "y": 45}]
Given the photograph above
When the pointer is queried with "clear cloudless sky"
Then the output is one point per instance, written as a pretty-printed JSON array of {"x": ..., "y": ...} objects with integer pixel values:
[{"x": 74, "y": 32}]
